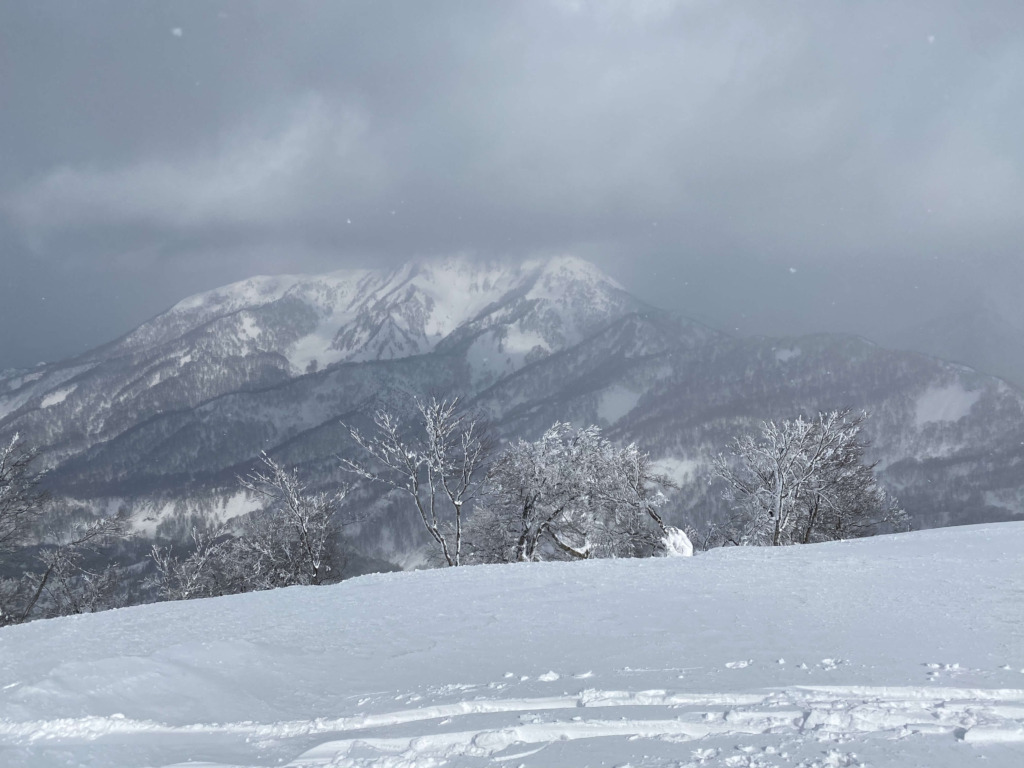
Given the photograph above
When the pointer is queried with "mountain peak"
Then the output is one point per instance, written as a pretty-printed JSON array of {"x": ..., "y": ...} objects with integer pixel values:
[
  {"x": 358, "y": 314},
  {"x": 573, "y": 268}
]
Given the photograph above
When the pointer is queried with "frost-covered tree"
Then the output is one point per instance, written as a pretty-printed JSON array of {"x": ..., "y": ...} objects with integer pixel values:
[
  {"x": 21, "y": 500},
  {"x": 69, "y": 583},
  {"x": 637, "y": 495},
  {"x": 204, "y": 572},
  {"x": 570, "y": 494},
  {"x": 60, "y": 577},
  {"x": 65, "y": 580},
  {"x": 851, "y": 504},
  {"x": 293, "y": 540},
  {"x": 437, "y": 462},
  {"x": 804, "y": 480}
]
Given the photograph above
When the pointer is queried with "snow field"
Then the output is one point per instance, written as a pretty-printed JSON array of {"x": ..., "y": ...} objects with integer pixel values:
[
  {"x": 939, "y": 404},
  {"x": 898, "y": 651},
  {"x": 56, "y": 397}
]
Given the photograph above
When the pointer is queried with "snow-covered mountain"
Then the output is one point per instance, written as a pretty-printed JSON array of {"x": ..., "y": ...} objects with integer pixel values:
[
  {"x": 902, "y": 650},
  {"x": 365, "y": 315},
  {"x": 164, "y": 419}
]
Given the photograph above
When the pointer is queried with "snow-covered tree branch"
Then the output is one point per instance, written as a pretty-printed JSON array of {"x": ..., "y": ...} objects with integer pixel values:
[
  {"x": 65, "y": 583},
  {"x": 21, "y": 500},
  {"x": 62, "y": 581},
  {"x": 200, "y": 574},
  {"x": 293, "y": 540}
]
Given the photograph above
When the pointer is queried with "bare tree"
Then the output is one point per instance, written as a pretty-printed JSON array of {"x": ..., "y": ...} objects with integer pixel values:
[
  {"x": 763, "y": 488},
  {"x": 437, "y": 464},
  {"x": 804, "y": 480},
  {"x": 851, "y": 504},
  {"x": 71, "y": 585}
]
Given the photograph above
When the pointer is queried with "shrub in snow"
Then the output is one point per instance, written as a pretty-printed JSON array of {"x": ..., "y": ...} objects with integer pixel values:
[
  {"x": 294, "y": 539},
  {"x": 200, "y": 574}
]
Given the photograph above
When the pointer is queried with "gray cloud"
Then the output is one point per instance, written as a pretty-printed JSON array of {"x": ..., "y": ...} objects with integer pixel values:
[
  {"x": 700, "y": 151},
  {"x": 250, "y": 180}
]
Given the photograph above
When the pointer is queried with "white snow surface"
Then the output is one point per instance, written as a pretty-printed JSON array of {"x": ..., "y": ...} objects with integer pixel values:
[
  {"x": 785, "y": 355},
  {"x": 949, "y": 403},
  {"x": 253, "y": 291},
  {"x": 56, "y": 397},
  {"x": 149, "y": 514},
  {"x": 249, "y": 329},
  {"x": 896, "y": 651}
]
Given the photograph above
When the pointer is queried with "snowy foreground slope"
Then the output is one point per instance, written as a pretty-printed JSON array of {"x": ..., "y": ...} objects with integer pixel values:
[{"x": 899, "y": 651}]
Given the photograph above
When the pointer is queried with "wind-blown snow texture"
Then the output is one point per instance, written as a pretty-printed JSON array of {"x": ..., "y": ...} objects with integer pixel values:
[
  {"x": 905, "y": 650},
  {"x": 163, "y": 420}
]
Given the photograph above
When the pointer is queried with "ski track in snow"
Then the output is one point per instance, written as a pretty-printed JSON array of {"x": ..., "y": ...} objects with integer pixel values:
[{"x": 518, "y": 728}]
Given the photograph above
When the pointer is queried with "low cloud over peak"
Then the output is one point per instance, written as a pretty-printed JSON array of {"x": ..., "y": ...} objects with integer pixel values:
[{"x": 699, "y": 151}]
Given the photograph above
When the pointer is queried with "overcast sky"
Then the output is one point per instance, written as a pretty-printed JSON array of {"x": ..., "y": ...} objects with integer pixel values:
[{"x": 764, "y": 166}]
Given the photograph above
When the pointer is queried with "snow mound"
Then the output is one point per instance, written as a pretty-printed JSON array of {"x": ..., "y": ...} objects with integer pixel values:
[
  {"x": 902, "y": 650},
  {"x": 677, "y": 543}
]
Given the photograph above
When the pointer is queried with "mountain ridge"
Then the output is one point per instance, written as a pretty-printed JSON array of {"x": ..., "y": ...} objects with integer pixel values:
[{"x": 167, "y": 417}]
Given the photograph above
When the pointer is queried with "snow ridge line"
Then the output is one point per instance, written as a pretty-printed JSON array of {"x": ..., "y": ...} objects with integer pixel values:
[
  {"x": 825, "y": 713},
  {"x": 95, "y": 726},
  {"x": 488, "y": 743},
  {"x": 913, "y": 693}
]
